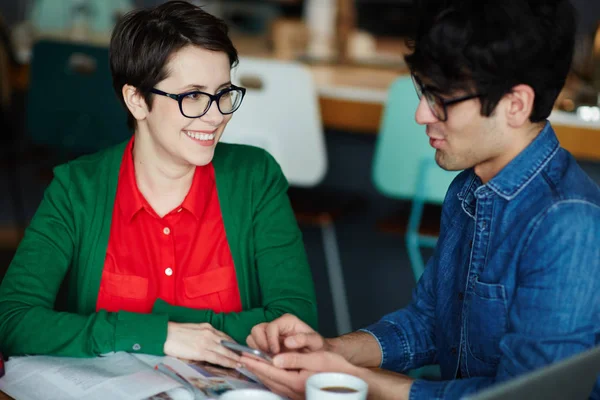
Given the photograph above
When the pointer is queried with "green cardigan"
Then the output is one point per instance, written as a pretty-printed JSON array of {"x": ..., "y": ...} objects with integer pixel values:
[{"x": 67, "y": 241}]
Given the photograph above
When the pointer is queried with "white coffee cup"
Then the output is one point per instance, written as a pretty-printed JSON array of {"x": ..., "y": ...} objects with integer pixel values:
[
  {"x": 316, "y": 384},
  {"x": 250, "y": 394}
]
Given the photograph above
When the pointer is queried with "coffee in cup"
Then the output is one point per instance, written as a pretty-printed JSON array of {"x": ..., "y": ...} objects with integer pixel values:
[
  {"x": 338, "y": 389},
  {"x": 335, "y": 386}
]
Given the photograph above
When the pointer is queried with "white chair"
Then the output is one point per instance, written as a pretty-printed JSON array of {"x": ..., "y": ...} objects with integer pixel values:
[{"x": 280, "y": 114}]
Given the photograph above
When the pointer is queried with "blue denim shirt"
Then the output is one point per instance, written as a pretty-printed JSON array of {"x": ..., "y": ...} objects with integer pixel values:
[{"x": 514, "y": 283}]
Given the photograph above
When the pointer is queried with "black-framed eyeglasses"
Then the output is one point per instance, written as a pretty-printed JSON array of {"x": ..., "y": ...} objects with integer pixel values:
[
  {"x": 195, "y": 104},
  {"x": 437, "y": 104}
]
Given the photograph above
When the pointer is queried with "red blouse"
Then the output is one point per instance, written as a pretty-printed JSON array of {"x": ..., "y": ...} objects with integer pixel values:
[{"x": 182, "y": 258}]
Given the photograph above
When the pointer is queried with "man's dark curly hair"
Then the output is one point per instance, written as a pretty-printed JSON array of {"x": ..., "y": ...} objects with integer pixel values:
[{"x": 489, "y": 46}]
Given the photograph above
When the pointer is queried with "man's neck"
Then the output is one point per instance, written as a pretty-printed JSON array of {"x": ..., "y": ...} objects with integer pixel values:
[{"x": 523, "y": 137}]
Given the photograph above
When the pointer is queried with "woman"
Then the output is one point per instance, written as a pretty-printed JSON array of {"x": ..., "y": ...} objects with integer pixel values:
[{"x": 167, "y": 243}]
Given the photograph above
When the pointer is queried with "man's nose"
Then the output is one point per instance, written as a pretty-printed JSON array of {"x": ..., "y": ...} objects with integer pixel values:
[{"x": 424, "y": 115}]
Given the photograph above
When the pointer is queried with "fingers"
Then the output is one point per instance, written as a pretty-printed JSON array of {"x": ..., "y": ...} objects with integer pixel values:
[
  {"x": 317, "y": 361},
  {"x": 218, "y": 358},
  {"x": 200, "y": 328},
  {"x": 199, "y": 342},
  {"x": 270, "y": 336},
  {"x": 272, "y": 332},
  {"x": 285, "y": 326},
  {"x": 320, "y": 361},
  {"x": 258, "y": 337},
  {"x": 311, "y": 341},
  {"x": 212, "y": 351},
  {"x": 220, "y": 350},
  {"x": 251, "y": 342},
  {"x": 287, "y": 383},
  {"x": 293, "y": 360},
  {"x": 294, "y": 324}
]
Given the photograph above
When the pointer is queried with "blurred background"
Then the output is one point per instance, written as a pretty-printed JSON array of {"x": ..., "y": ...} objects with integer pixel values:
[{"x": 341, "y": 62}]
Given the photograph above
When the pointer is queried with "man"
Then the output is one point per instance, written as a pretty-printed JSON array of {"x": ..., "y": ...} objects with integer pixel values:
[{"x": 513, "y": 283}]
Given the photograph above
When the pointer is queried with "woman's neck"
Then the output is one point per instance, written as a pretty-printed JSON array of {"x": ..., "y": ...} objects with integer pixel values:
[{"x": 162, "y": 182}]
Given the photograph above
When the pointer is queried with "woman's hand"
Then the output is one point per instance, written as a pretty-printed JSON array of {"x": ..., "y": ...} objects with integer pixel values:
[{"x": 199, "y": 342}]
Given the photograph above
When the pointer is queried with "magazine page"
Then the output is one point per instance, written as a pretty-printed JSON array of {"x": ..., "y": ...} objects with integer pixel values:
[
  {"x": 116, "y": 376},
  {"x": 207, "y": 381},
  {"x": 215, "y": 380}
]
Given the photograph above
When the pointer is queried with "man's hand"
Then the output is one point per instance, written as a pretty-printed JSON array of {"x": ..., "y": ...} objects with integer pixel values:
[
  {"x": 285, "y": 333},
  {"x": 288, "y": 333},
  {"x": 199, "y": 342},
  {"x": 291, "y": 370}
]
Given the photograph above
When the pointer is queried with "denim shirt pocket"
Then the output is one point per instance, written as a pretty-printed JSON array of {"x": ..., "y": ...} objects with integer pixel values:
[{"x": 487, "y": 321}]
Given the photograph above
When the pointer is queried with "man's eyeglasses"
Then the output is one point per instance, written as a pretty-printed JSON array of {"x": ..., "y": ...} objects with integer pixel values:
[
  {"x": 195, "y": 104},
  {"x": 437, "y": 104}
]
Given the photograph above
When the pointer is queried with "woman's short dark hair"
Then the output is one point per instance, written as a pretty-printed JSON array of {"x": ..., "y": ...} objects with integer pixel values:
[
  {"x": 490, "y": 46},
  {"x": 144, "y": 40}
]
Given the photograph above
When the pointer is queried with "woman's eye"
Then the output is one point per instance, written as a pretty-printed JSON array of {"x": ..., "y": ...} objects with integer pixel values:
[{"x": 193, "y": 96}]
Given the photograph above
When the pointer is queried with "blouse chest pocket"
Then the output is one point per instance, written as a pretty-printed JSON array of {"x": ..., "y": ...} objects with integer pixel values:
[
  {"x": 126, "y": 286},
  {"x": 215, "y": 290},
  {"x": 122, "y": 292},
  {"x": 486, "y": 321}
]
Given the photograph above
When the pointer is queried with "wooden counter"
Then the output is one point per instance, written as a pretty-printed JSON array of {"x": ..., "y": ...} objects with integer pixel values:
[{"x": 352, "y": 97}]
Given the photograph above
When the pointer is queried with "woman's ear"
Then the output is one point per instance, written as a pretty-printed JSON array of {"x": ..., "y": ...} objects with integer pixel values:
[
  {"x": 135, "y": 102},
  {"x": 520, "y": 105}
]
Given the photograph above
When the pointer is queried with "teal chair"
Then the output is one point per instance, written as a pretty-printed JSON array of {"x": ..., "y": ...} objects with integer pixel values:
[
  {"x": 405, "y": 168},
  {"x": 71, "y": 105},
  {"x": 60, "y": 15}
]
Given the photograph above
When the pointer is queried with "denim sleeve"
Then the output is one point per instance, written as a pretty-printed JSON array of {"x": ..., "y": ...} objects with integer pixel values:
[
  {"x": 555, "y": 310},
  {"x": 406, "y": 336}
]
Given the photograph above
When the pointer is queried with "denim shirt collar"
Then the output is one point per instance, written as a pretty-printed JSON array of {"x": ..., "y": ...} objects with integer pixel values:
[{"x": 517, "y": 174}]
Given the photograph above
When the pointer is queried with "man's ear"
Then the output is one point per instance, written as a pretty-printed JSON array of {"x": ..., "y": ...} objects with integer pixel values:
[
  {"x": 135, "y": 102},
  {"x": 519, "y": 105}
]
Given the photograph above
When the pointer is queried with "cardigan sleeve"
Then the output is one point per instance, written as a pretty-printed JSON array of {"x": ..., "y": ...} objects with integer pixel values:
[
  {"x": 282, "y": 268},
  {"x": 28, "y": 322}
]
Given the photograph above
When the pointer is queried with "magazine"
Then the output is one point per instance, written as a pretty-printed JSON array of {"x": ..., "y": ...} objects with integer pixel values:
[{"x": 119, "y": 376}]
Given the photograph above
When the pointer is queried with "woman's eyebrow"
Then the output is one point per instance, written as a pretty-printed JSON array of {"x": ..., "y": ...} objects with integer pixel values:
[{"x": 203, "y": 87}]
